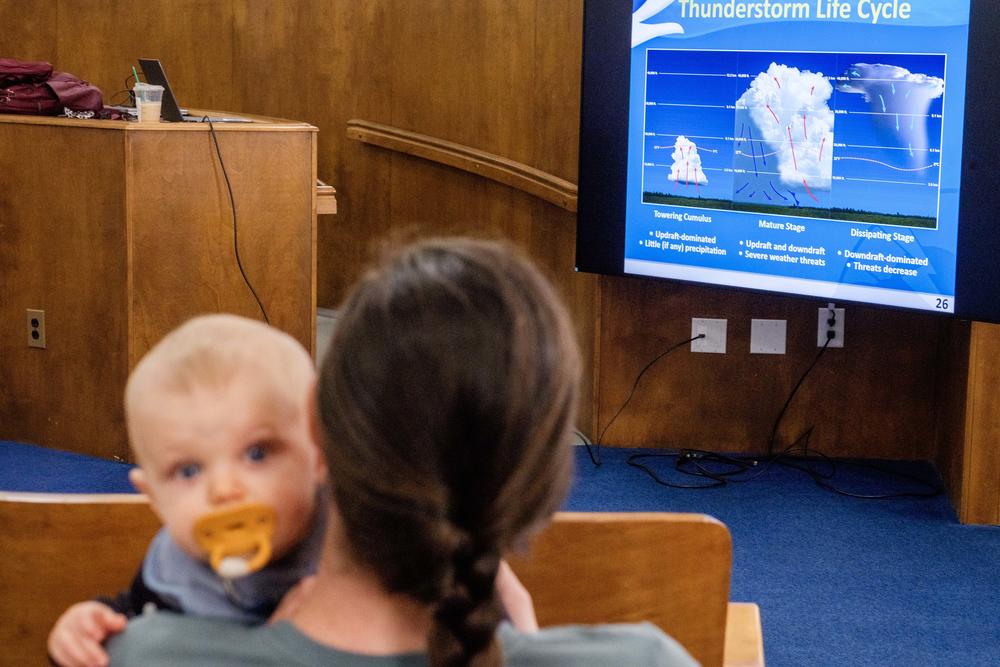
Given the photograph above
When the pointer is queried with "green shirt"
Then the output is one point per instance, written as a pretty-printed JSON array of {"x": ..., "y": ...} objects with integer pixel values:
[{"x": 170, "y": 640}]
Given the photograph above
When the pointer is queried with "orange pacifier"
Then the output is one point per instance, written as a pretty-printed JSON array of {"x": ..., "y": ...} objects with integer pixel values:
[{"x": 237, "y": 540}]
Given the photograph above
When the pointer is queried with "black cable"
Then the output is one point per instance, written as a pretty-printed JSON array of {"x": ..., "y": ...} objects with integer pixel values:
[
  {"x": 795, "y": 456},
  {"x": 124, "y": 91},
  {"x": 697, "y": 458},
  {"x": 232, "y": 204},
  {"x": 129, "y": 88},
  {"x": 684, "y": 456},
  {"x": 932, "y": 489},
  {"x": 696, "y": 462},
  {"x": 774, "y": 431},
  {"x": 821, "y": 480},
  {"x": 597, "y": 446}
]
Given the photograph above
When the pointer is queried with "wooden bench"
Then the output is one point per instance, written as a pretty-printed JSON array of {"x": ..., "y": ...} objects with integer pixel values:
[
  {"x": 671, "y": 569},
  {"x": 668, "y": 568},
  {"x": 57, "y": 549}
]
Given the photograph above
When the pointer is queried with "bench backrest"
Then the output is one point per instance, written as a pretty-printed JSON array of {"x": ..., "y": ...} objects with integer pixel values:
[
  {"x": 667, "y": 568},
  {"x": 670, "y": 569},
  {"x": 57, "y": 549}
]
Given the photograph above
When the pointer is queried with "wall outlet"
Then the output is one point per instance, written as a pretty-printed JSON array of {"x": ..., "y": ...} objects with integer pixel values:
[
  {"x": 715, "y": 335},
  {"x": 36, "y": 328},
  {"x": 824, "y": 326},
  {"x": 768, "y": 336}
]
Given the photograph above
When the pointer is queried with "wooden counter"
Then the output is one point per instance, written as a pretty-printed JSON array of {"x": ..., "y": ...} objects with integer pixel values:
[{"x": 120, "y": 231}]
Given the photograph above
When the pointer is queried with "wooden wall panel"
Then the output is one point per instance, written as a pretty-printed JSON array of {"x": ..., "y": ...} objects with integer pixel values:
[
  {"x": 980, "y": 498},
  {"x": 55, "y": 258},
  {"x": 556, "y": 75},
  {"x": 479, "y": 74},
  {"x": 28, "y": 35},
  {"x": 180, "y": 209},
  {"x": 120, "y": 233},
  {"x": 100, "y": 40},
  {"x": 324, "y": 62},
  {"x": 951, "y": 399},
  {"x": 364, "y": 89},
  {"x": 463, "y": 72},
  {"x": 873, "y": 398}
]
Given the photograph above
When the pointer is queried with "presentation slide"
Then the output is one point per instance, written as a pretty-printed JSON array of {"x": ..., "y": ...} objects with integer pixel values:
[{"x": 805, "y": 147}]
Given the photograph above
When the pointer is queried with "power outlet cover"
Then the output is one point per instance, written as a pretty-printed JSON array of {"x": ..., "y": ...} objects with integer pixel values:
[
  {"x": 715, "y": 335},
  {"x": 823, "y": 325},
  {"x": 36, "y": 328},
  {"x": 768, "y": 336}
]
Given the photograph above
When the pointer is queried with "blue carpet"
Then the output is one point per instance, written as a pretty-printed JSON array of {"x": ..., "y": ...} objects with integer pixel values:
[
  {"x": 39, "y": 469},
  {"x": 840, "y": 581}
]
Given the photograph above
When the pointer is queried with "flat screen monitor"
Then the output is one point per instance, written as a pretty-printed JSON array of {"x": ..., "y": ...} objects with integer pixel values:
[{"x": 839, "y": 149}]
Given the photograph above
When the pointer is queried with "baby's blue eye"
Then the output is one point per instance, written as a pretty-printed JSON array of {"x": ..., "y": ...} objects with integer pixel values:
[
  {"x": 188, "y": 470},
  {"x": 256, "y": 453}
]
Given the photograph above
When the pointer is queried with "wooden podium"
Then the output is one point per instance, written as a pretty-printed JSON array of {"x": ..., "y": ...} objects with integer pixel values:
[{"x": 120, "y": 231}]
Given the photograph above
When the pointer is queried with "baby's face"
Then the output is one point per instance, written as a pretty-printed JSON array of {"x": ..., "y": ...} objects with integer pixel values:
[{"x": 212, "y": 449}]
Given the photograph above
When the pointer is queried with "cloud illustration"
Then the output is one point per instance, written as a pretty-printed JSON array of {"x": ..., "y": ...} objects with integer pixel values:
[
  {"x": 687, "y": 163},
  {"x": 790, "y": 110},
  {"x": 899, "y": 100}
]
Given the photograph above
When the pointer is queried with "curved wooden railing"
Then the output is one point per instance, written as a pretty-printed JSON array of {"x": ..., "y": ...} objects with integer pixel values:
[{"x": 517, "y": 175}]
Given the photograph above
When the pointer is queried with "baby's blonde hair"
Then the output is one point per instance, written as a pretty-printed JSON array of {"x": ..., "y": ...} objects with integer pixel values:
[{"x": 209, "y": 351}]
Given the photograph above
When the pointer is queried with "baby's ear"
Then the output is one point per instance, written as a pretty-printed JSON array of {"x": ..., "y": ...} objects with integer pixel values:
[
  {"x": 138, "y": 478},
  {"x": 141, "y": 483}
]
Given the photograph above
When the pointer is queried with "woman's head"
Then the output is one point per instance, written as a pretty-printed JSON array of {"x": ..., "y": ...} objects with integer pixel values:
[{"x": 447, "y": 400}]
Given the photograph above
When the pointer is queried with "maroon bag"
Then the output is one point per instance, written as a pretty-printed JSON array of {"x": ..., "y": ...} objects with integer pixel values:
[
  {"x": 33, "y": 88},
  {"x": 23, "y": 71}
]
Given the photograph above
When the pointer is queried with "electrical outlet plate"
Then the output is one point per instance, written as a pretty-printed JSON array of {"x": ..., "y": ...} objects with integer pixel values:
[
  {"x": 715, "y": 335},
  {"x": 823, "y": 326},
  {"x": 36, "y": 328},
  {"x": 768, "y": 336}
]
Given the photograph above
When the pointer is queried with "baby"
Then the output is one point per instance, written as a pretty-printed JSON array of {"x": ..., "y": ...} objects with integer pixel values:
[{"x": 218, "y": 418}]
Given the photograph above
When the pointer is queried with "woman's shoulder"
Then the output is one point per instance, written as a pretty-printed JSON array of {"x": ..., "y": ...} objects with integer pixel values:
[
  {"x": 632, "y": 644},
  {"x": 165, "y": 638}
]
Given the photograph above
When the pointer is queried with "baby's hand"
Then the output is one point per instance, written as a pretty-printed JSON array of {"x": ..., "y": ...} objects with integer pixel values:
[
  {"x": 76, "y": 638},
  {"x": 515, "y": 599}
]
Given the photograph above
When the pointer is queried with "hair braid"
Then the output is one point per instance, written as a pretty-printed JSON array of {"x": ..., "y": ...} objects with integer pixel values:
[{"x": 468, "y": 612}]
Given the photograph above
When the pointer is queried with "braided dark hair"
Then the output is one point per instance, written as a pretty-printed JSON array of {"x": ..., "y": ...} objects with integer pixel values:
[{"x": 447, "y": 400}]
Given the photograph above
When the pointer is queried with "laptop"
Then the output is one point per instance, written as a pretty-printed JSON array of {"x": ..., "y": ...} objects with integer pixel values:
[{"x": 152, "y": 70}]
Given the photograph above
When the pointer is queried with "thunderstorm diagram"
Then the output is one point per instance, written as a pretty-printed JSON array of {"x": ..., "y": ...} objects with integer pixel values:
[{"x": 839, "y": 136}]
